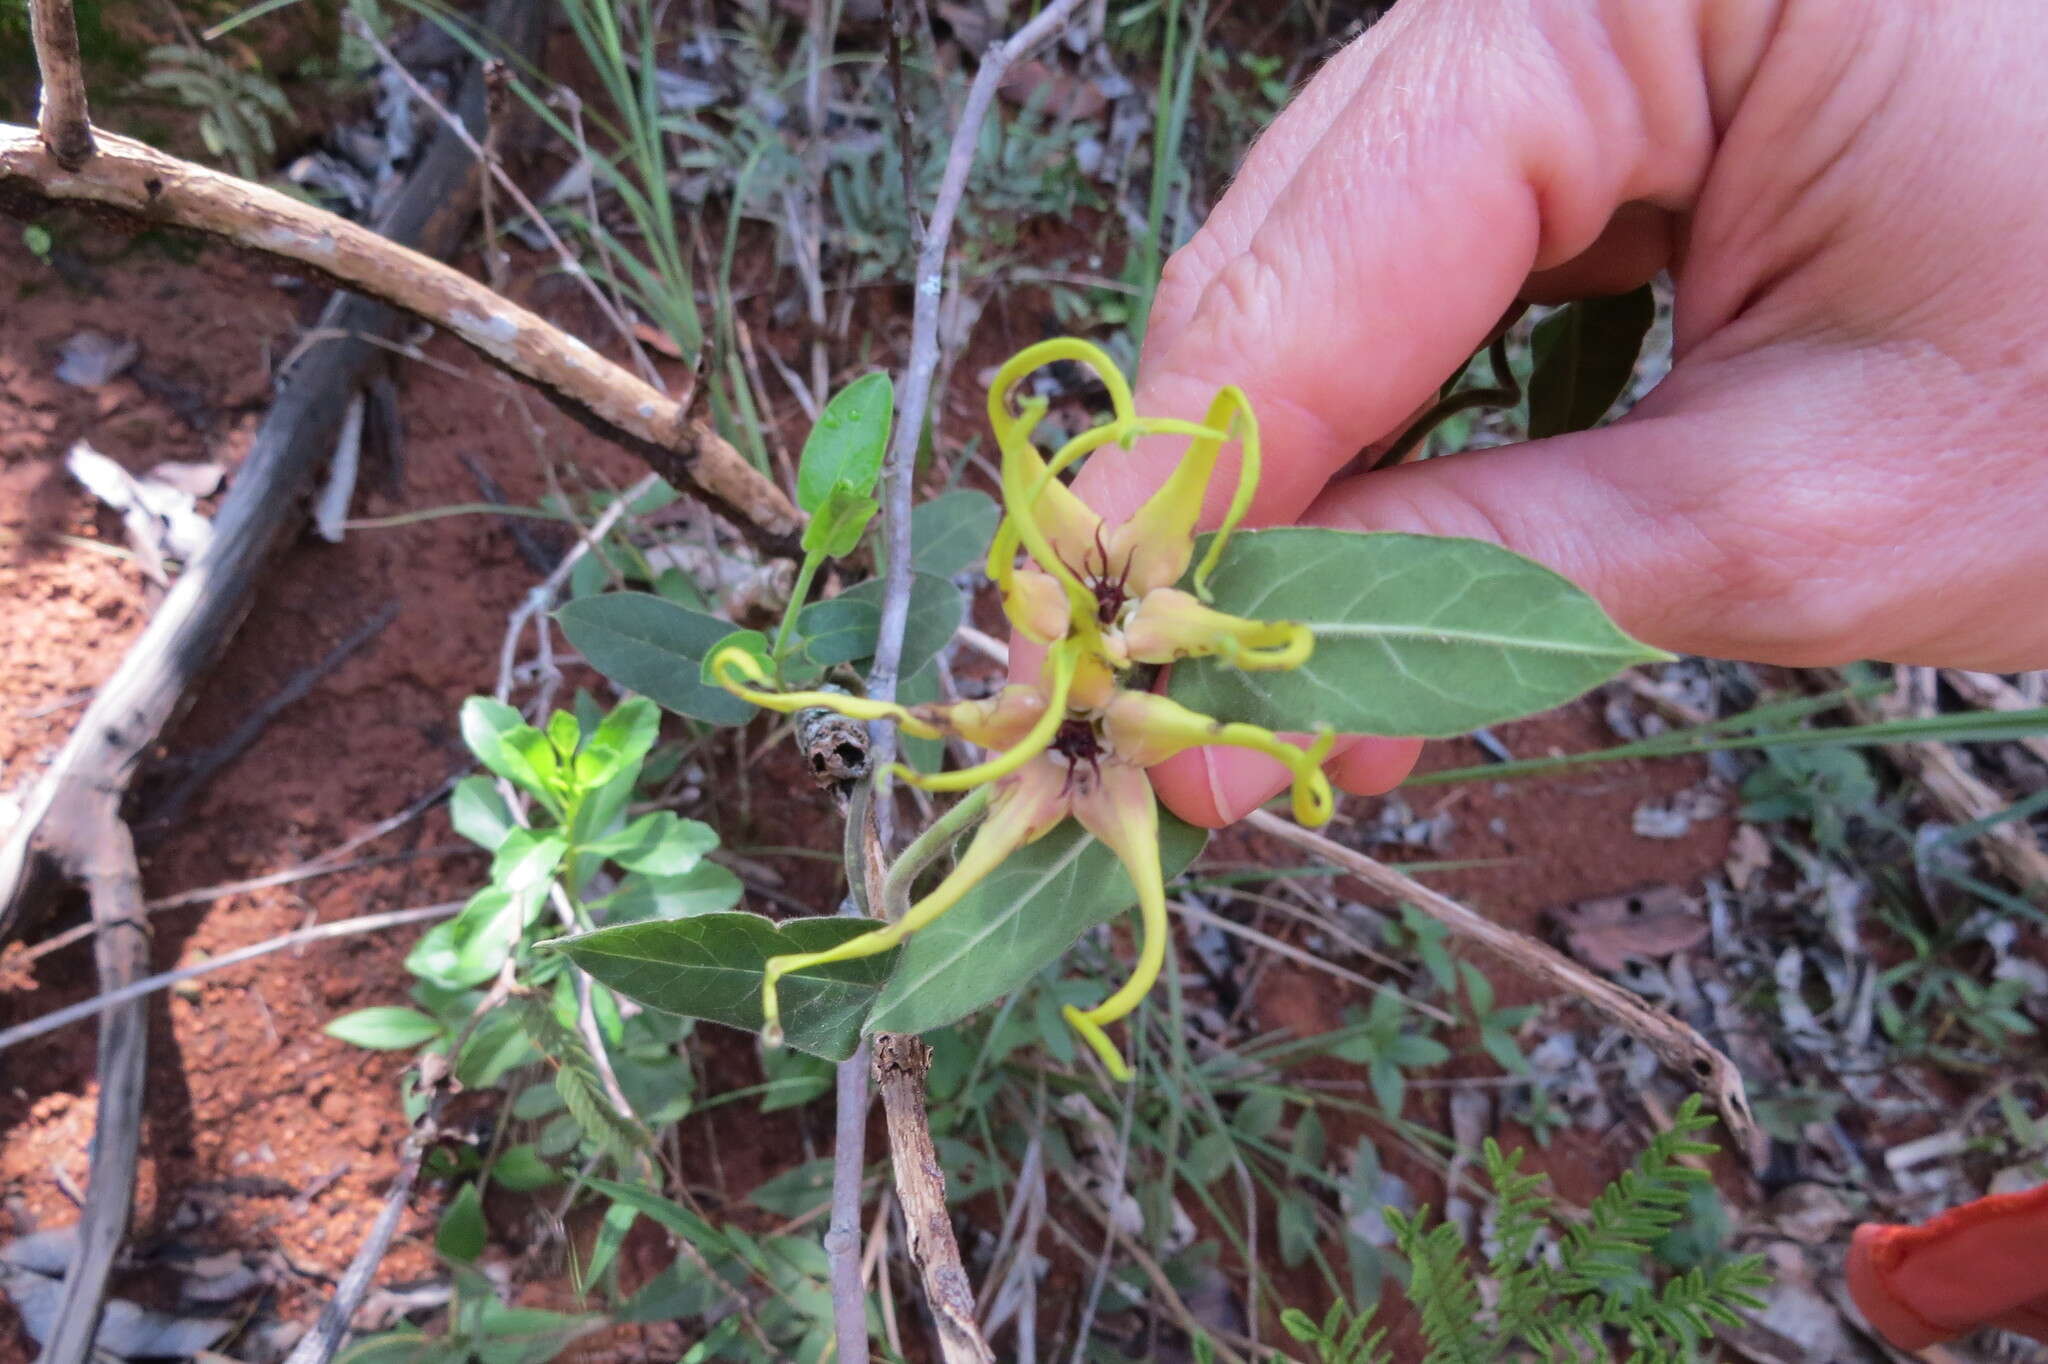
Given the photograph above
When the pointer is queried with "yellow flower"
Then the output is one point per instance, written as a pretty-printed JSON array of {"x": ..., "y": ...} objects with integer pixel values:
[{"x": 1077, "y": 744}]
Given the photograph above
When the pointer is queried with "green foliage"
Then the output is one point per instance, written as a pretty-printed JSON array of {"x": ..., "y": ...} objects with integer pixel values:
[
  {"x": 1564, "y": 1307},
  {"x": 846, "y": 446},
  {"x": 1014, "y": 923},
  {"x": 711, "y": 967},
  {"x": 1585, "y": 354},
  {"x": 1452, "y": 634},
  {"x": 237, "y": 108}
]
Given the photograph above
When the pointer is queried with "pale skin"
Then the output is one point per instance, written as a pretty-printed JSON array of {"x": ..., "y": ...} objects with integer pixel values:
[{"x": 1847, "y": 459}]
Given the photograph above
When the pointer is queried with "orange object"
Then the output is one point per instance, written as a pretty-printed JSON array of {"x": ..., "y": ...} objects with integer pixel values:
[{"x": 1982, "y": 1264}]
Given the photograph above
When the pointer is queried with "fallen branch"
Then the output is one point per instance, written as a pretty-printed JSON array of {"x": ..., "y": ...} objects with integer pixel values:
[
  {"x": 1674, "y": 1042},
  {"x": 65, "y": 126},
  {"x": 72, "y": 828},
  {"x": 133, "y": 179},
  {"x": 1962, "y": 796},
  {"x": 901, "y": 1064}
]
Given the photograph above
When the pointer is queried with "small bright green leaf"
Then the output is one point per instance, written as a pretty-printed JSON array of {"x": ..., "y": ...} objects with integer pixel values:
[
  {"x": 838, "y": 631},
  {"x": 705, "y": 889},
  {"x": 621, "y": 740},
  {"x": 461, "y": 1234},
  {"x": 834, "y": 529},
  {"x": 564, "y": 733},
  {"x": 503, "y": 742},
  {"x": 711, "y": 966},
  {"x": 659, "y": 844},
  {"x": 520, "y": 1169},
  {"x": 1585, "y": 353},
  {"x": 951, "y": 533},
  {"x": 470, "y": 948},
  {"x": 936, "y": 610},
  {"x": 656, "y": 648},
  {"x": 1021, "y": 917},
  {"x": 1416, "y": 635},
  {"x": 385, "y": 1027},
  {"x": 847, "y": 444},
  {"x": 527, "y": 859},
  {"x": 479, "y": 813}
]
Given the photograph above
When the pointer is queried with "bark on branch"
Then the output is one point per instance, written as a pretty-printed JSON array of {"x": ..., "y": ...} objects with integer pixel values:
[
  {"x": 66, "y": 130},
  {"x": 130, "y": 179}
]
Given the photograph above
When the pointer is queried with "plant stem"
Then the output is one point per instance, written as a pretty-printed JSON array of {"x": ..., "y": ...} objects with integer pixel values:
[
  {"x": 806, "y": 571},
  {"x": 926, "y": 848}
]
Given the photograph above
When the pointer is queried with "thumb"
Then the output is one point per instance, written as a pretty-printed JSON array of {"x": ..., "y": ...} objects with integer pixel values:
[{"x": 1376, "y": 234}]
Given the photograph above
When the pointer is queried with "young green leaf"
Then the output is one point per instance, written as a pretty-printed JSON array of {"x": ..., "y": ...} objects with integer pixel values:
[
  {"x": 527, "y": 859},
  {"x": 705, "y": 889},
  {"x": 1585, "y": 354},
  {"x": 1021, "y": 917},
  {"x": 503, "y": 742},
  {"x": 385, "y": 1027},
  {"x": 711, "y": 967},
  {"x": 659, "y": 844},
  {"x": 951, "y": 532},
  {"x": 461, "y": 1235},
  {"x": 1414, "y": 634},
  {"x": 479, "y": 813},
  {"x": 847, "y": 444},
  {"x": 520, "y": 1169},
  {"x": 834, "y": 529},
  {"x": 656, "y": 648},
  {"x": 620, "y": 740}
]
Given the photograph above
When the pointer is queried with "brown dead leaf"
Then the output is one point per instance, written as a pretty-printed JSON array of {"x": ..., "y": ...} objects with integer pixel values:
[
  {"x": 1056, "y": 93},
  {"x": 1748, "y": 853},
  {"x": 1651, "y": 923},
  {"x": 658, "y": 339}
]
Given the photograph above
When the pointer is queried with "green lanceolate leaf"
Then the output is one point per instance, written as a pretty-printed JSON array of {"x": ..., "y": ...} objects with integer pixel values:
[
  {"x": 1414, "y": 634},
  {"x": 650, "y": 645},
  {"x": 705, "y": 889},
  {"x": 1020, "y": 918},
  {"x": 847, "y": 444},
  {"x": 951, "y": 532},
  {"x": 711, "y": 966},
  {"x": 936, "y": 610},
  {"x": 1585, "y": 354}
]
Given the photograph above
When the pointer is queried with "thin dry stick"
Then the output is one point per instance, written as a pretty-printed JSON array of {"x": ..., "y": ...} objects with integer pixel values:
[
  {"x": 914, "y": 395},
  {"x": 149, "y": 985},
  {"x": 1675, "y": 1043},
  {"x": 901, "y": 1064},
  {"x": 66, "y": 128},
  {"x": 850, "y": 1117},
  {"x": 133, "y": 178},
  {"x": 1961, "y": 794}
]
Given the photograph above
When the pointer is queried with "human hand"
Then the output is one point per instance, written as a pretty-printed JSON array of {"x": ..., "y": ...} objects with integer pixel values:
[{"x": 1845, "y": 460}]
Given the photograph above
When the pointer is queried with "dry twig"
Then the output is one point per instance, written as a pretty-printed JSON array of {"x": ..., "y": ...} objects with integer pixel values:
[
  {"x": 132, "y": 178},
  {"x": 901, "y": 1064},
  {"x": 65, "y": 126},
  {"x": 1674, "y": 1042}
]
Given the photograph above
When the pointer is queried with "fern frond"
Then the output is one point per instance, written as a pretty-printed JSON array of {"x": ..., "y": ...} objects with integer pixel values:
[{"x": 580, "y": 1085}]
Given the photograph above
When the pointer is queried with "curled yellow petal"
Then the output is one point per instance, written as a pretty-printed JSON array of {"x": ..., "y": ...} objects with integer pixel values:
[
  {"x": 1117, "y": 806},
  {"x": 1059, "y": 664},
  {"x": 740, "y": 673},
  {"x": 1170, "y": 625},
  {"x": 1144, "y": 728},
  {"x": 1002, "y": 721}
]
